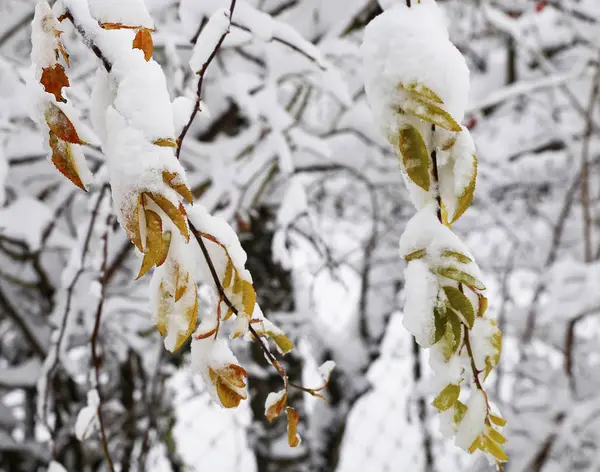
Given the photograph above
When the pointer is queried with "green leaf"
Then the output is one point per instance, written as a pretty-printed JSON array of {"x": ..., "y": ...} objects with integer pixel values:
[
  {"x": 422, "y": 91},
  {"x": 415, "y": 156},
  {"x": 461, "y": 304},
  {"x": 420, "y": 254},
  {"x": 460, "y": 257},
  {"x": 447, "y": 398},
  {"x": 453, "y": 335},
  {"x": 439, "y": 315},
  {"x": 431, "y": 114},
  {"x": 466, "y": 197},
  {"x": 492, "y": 361},
  {"x": 458, "y": 275},
  {"x": 497, "y": 420},
  {"x": 460, "y": 410}
]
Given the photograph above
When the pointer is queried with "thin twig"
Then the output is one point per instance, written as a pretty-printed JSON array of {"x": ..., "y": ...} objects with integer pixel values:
[
  {"x": 202, "y": 73},
  {"x": 94, "y": 341}
]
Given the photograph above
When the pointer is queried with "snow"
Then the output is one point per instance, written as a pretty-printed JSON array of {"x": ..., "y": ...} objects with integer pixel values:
[
  {"x": 44, "y": 41},
  {"x": 481, "y": 345},
  {"x": 216, "y": 28},
  {"x": 273, "y": 398},
  {"x": 56, "y": 467},
  {"x": 87, "y": 419},
  {"x": 421, "y": 295},
  {"x": 473, "y": 423},
  {"x": 418, "y": 36},
  {"x": 126, "y": 12},
  {"x": 29, "y": 230}
]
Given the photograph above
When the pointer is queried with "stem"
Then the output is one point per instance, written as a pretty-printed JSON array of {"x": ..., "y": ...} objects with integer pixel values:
[
  {"x": 202, "y": 73},
  {"x": 94, "y": 339},
  {"x": 436, "y": 176}
]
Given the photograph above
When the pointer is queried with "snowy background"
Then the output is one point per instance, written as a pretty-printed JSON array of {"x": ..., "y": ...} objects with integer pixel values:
[{"x": 287, "y": 150}]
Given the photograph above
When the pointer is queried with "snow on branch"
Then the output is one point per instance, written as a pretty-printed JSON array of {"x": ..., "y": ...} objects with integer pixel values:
[
  {"x": 417, "y": 85},
  {"x": 133, "y": 120}
]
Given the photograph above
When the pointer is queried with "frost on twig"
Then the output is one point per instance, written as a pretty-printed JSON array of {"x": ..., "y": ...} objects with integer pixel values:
[{"x": 417, "y": 84}]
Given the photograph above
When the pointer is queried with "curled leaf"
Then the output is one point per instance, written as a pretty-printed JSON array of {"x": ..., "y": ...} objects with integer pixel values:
[
  {"x": 64, "y": 161},
  {"x": 276, "y": 402},
  {"x": 230, "y": 382},
  {"x": 172, "y": 179}
]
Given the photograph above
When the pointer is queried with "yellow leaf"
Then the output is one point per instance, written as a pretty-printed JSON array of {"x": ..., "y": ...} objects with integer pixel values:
[
  {"x": 447, "y": 397},
  {"x": 431, "y": 113},
  {"x": 496, "y": 436},
  {"x": 157, "y": 244},
  {"x": 177, "y": 215},
  {"x": 477, "y": 444},
  {"x": 292, "y": 427},
  {"x": 497, "y": 420},
  {"x": 63, "y": 160},
  {"x": 165, "y": 142},
  {"x": 283, "y": 342},
  {"x": 228, "y": 274},
  {"x": 228, "y": 381},
  {"x": 494, "y": 449},
  {"x": 460, "y": 303},
  {"x": 54, "y": 79},
  {"x": 61, "y": 126},
  {"x": 415, "y": 156},
  {"x": 466, "y": 197},
  {"x": 192, "y": 315},
  {"x": 143, "y": 41},
  {"x": 248, "y": 298},
  {"x": 460, "y": 410},
  {"x": 483, "y": 305}
]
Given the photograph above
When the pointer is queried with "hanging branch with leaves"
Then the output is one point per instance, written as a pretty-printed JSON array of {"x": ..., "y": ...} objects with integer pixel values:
[{"x": 417, "y": 85}]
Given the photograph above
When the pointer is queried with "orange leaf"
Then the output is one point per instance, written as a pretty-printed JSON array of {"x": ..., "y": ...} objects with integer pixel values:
[
  {"x": 61, "y": 126},
  {"x": 235, "y": 375},
  {"x": 157, "y": 243},
  {"x": 228, "y": 381},
  {"x": 54, "y": 79},
  {"x": 116, "y": 26},
  {"x": 143, "y": 41},
  {"x": 292, "y": 427},
  {"x": 63, "y": 160}
]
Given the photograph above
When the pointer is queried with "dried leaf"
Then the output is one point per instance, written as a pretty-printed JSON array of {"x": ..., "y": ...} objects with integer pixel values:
[
  {"x": 415, "y": 156},
  {"x": 431, "y": 114},
  {"x": 61, "y": 126},
  {"x": 177, "y": 215},
  {"x": 228, "y": 381},
  {"x": 143, "y": 41},
  {"x": 447, "y": 398},
  {"x": 116, "y": 26},
  {"x": 63, "y": 160},
  {"x": 460, "y": 303},
  {"x": 277, "y": 407},
  {"x": 292, "y": 427},
  {"x": 54, "y": 79},
  {"x": 466, "y": 197}
]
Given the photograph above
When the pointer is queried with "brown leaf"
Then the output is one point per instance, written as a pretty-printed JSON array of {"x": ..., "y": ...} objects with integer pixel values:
[
  {"x": 292, "y": 427},
  {"x": 62, "y": 158},
  {"x": 143, "y": 41},
  {"x": 61, "y": 126},
  {"x": 116, "y": 26},
  {"x": 54, "y": 79},
  {"x": 276, "y": 408},
  {"x": 228, "y": 380}
]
